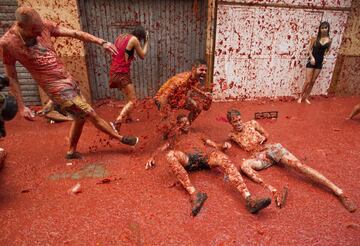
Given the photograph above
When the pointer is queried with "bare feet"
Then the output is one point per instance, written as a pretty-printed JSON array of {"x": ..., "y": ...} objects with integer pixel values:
[
  {"x": 347, "y": 203},
  {"x": 299, "y": 100},
  {"x": 307, "y": 101}
]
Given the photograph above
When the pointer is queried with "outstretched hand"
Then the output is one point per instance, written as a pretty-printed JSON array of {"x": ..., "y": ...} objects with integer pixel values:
[
  {"x": 109, "y": 47},
  {"x": 226, "y": 145},
  {"x": 28, "y": 114},
  {"x": 150, "y": 163}
]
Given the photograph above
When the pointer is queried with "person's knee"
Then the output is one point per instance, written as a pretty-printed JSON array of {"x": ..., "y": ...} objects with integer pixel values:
[
  {"x": 79, "y": 121},
  {"x": 132, "y": 101},
  {"x": 170, "y": 156},
  {"x": 246, "y": 165},
  {"x": 91, "y": 115}
]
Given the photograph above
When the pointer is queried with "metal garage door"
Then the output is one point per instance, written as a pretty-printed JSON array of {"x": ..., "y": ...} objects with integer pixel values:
[
  {"x": 177, "y": 37},
  {"x": 28, "y": 86}
]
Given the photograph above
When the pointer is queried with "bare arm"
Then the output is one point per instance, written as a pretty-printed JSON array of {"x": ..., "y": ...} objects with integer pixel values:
[
  {"x": 135, "y": 43},
  {"x": 328, "y": 49},
  {"x": 222, "y": 147},
  {"x": 86, "y": 37},
  {"x": 151, "y": 162},
  {"x": 10, "y": 71},
  {"x": 196, "y": 90},
  {"x": 260, "y": 129},
  {"x": 310, "y": 48}
]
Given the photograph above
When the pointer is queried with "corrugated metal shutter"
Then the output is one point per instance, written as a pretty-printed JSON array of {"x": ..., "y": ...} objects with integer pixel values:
[
  {"x": 177, "y": 37},
  {"x": 29, "y": 88}
]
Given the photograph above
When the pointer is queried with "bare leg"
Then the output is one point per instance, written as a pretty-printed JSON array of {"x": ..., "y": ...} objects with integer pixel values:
[
  {"x": 177, "y": 160},
  {"x": 355, "y": 111},
  {"x": 75, "y": 133},
  {"x": 129, "y": 91},
  {"x": 165, "y": 124},
  {"x": 249, "y": 166},
  {"x": 292, "y": 162},
  {"x": 219, "y": 159},
  {"x": 105, "y": 127},
  {"x": 311, "y": 85},
  {"x": 57, "y": 117},
  {"x": 194, "y": 109},
  {"x": 309, "y": 76}
]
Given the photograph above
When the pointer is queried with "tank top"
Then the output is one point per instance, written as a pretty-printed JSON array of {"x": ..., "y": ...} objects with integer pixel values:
[{"x": 119, "y": 63}]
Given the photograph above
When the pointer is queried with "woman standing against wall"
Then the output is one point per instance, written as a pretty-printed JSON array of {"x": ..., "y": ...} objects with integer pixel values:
[
  {"x": 318, "y": 48},
  {"x": 126, "y": 45}
]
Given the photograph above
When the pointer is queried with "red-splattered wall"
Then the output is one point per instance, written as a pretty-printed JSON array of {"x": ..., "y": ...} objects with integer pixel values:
[
  {"x": 261, "y": 46},
  {"x": 346, "y": 79},
  {"x": 71, "y": 51}
]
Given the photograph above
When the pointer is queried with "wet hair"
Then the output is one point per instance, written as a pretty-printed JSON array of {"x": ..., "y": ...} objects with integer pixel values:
[
  {"x": 180, "y": 117},
  {"x": 323, "y": 24},
  {"x": 139, "y": 32},
  {"x": 231, "y": 113},
  {"x": 199, "y": 62}
]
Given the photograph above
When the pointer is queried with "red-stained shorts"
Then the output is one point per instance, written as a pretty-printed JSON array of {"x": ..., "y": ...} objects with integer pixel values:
[
  {"x": 119, "y": 80},
  {"x": 77, "y": 107}
]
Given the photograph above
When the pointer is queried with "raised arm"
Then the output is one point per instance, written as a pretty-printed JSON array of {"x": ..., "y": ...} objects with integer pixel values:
[
  {"x": 86, "y": 37},
  {"x": 135, "y": 43}
]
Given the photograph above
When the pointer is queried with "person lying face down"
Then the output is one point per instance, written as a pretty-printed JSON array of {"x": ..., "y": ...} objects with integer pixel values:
[
  {"x": 251, "y": 137},
  {"x": 187, "y": 152}
]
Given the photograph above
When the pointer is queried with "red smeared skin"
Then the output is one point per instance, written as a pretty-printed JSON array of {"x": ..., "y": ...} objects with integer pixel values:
[
  {"x": 251, "y": 137},
  {"x": 182, "y": 143},
  {"x": 182, "y": 91},
  {"x": 142, "y": 204}
]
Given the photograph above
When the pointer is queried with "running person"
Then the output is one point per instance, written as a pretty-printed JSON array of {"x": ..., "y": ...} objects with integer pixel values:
[
  {"x": 127, "y": 45},
  {"x": 29, "y": 42}
]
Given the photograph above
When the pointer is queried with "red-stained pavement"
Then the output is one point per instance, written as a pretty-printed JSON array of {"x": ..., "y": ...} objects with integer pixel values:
[{"x": 123, "y": 204}]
